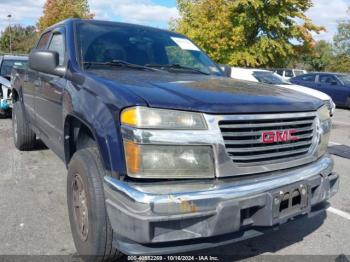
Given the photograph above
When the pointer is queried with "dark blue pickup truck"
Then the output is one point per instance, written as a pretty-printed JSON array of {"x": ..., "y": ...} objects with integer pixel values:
[{"x": 164, "y": 154}]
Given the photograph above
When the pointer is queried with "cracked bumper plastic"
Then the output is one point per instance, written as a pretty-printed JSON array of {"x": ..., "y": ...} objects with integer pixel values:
[{"x": 147, "y": 216}]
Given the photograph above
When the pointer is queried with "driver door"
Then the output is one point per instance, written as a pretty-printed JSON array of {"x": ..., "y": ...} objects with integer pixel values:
[
  {"x": 49, "y": 97},
  {"x": 330, "y": 85}
]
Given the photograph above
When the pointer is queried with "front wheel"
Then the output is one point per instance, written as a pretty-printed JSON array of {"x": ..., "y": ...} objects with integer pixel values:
[{"x": 91, "y": 229}]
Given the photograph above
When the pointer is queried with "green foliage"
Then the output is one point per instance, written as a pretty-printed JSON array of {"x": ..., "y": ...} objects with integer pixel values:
[
  {"x": 340, "y": 63},
  {"x": 22, "y": 39},
  {"x": 342, "y": 38},
  {"x": 328, "y": 57},
  {"x": 58, "y": 10},
  {"x": 320, "y": 58},
  {"x": 255, "y": 33}
]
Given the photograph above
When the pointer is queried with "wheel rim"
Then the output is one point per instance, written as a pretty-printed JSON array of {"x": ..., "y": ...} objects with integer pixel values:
[
  {"x": 15, "y": 127},
  {"x": 80, "y": 210}
]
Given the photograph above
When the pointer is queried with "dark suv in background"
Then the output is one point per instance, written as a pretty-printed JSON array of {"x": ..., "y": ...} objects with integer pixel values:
[
  {"x": 7, "y": 63},
  {"x": 337, "y": 86}
]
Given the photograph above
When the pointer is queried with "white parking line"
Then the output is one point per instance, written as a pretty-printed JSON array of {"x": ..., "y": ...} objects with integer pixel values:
[
  {"x": 341, "y": 123},
  {"x": 334, "y": 143},
  {"x": 339, "y": 212}
]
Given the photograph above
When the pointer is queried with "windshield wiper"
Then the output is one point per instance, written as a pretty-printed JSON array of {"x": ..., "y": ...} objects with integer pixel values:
[
  {"x": 120, "y": 63},
  {"x": 177, "y": 66}
]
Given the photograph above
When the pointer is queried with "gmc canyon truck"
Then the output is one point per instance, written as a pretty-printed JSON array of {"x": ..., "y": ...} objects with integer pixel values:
[{"x": 164, "y": 154}]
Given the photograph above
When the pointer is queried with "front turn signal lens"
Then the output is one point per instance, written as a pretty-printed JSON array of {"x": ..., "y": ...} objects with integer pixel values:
[
  {"x": 129, "y": 117},
  {"x": 133, "y": 157}
]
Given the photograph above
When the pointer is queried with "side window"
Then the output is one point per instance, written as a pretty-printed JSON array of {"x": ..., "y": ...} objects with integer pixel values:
[
  {"x": 57, "y": 44},
  {"x": 308, "y": 78},
  {"x": 43, "y": 41},
  {"x": 289, "y": 73},
  {"x": 280, "y": 72},
  {"x": 298, "y": 72},
  {"x": 327, "y": 79}
]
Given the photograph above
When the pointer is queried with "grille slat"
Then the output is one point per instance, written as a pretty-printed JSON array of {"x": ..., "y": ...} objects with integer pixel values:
[
  {"x": 278, "y": 124},
  {"x": 256, "y": 141},
  {"x": 267, "y": 148},
  {"x": 271, "y": 155},
  {"x": 244, "y": 143},
  {"x": 258, "y": 133}
]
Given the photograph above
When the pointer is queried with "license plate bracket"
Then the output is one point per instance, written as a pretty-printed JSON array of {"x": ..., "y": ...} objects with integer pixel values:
[{"x": 289, "y": 201}]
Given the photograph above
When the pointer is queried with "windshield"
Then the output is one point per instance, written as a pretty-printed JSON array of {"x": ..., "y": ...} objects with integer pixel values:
[
  {"x": 345, "y": 79},
  {"x": 269, "y": 78},
  {"x": 100, "y": 43},
  {"x": 7, "y": 65}
]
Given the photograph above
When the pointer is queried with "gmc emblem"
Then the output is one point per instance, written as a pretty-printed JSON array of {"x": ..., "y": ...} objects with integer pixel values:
[{"x": 270, "y": 137}]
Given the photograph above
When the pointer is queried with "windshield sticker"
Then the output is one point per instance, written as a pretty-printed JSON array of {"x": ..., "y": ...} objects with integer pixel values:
[{"x": 185, "y": 44}]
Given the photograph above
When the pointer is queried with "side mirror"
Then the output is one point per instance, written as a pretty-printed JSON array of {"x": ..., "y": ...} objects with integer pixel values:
[
  {"x": 226, "y": 69},
  {"x": 46, "y": 61}
]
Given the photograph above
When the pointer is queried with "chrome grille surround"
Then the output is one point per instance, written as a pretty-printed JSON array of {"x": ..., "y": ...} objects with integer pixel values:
[
  {"x": 224, "y": 165},
  {"x": 245, "y": 146}
]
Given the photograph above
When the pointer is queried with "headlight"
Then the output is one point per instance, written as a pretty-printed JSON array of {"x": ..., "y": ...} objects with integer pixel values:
[
  {"x": 169, "y": 161},
  {"x": 323, "y": 113},
  {"x": 325, "y": 125},
  {"x": 144, "y": 117},
  {"x": 333, "y": 107}
]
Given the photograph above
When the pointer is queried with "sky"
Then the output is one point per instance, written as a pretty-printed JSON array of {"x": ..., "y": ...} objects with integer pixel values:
[{"x": 158, "y": 13}]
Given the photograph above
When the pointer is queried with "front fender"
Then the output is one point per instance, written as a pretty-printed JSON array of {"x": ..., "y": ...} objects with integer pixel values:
[{"x": 102, "y": 120}]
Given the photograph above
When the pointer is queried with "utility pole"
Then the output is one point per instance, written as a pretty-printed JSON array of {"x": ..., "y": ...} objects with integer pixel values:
[{"x": 9, "y": 17}]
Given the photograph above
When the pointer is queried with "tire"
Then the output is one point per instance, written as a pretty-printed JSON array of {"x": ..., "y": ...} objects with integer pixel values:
[
  {"x": 23, "y": 136},
  {"x": 348, "y": 103},
  {"x": 4, "y": 113},
  {"x": 90, "y": 226}
]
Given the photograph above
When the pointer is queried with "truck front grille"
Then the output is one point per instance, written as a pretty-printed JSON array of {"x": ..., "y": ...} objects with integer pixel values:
[{"x": 268, "y": 140}]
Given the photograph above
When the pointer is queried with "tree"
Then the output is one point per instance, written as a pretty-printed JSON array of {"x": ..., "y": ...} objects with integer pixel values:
[
  {"x": 340, "y": 63},
  {"x": 58, "y": 10},
  {"x": 342, "y": 38},
  {"x": 22, "y": 39},
  {"x": 320, "y": 57},
  {"x": 248, "y": 32}
]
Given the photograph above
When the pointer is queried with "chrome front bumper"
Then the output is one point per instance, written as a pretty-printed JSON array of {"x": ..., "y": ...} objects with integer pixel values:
[{"x": 156, "y": 213}]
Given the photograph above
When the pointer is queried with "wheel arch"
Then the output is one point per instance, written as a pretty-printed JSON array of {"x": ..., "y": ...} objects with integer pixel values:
[{"x": 75, "y": 130}]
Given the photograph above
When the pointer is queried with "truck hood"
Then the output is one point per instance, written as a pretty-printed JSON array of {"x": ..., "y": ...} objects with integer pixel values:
[
  {"x": 309, "y": 91},
  {"x": 201, "y": 93}
]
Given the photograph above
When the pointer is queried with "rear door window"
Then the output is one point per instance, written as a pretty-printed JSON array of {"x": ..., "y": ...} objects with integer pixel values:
[
  {"x": 327, "y": 79},
  {"x": 289, "y": 73}
]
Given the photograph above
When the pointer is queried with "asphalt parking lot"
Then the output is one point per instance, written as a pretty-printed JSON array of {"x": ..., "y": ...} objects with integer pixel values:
[{"x": 34, "y": 218}]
